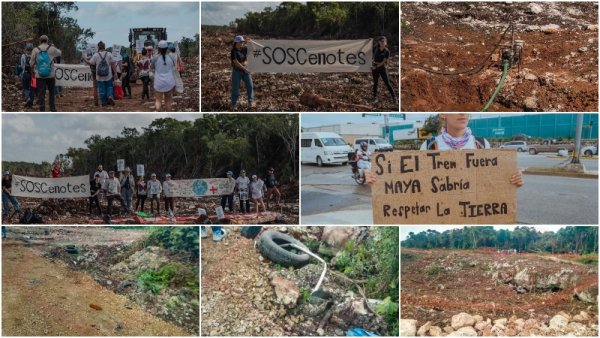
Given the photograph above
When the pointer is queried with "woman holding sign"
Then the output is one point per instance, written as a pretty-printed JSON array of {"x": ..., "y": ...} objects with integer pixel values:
[
  {"x": 455, "y": 135},
  {"x": 239, "y": 58}
]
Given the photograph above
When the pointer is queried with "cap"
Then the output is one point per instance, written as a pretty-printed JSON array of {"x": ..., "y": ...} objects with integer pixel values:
[
  {"x": 254, "y": 176},
  {"x": 271, "y": 169},
  {"x": 238, "y": 38},
  {"x": 243, "y": 171},
  {"x": 153, "y": 175},
  {"x": 44, "y": 37},
  {"x": 230, "y": 173},
  {"x": 97, "y": 175},
  {"x": 127, "y": 169},
  {"x": 7, "y": 172},
  {"x": 163, "y": 44},
  {"x": 168, "y": 175}
]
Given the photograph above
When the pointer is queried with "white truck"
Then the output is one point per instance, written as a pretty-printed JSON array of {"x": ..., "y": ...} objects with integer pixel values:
[{"x": 323, "y": 148}]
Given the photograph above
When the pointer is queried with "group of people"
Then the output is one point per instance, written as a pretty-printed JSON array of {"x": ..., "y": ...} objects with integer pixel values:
[
  {"x": 241, "y": 73},
  {"x": 161, "y": 68},
  {"x": 123, "y": 188},
  {"x": 38, "y": 74},
  {"x": 252, "y": 188}
]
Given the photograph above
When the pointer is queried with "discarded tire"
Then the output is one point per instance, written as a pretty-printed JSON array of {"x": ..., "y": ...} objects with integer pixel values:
[
  {"x": 250, "y": 231},
  {"x": 270, "y": 243}
]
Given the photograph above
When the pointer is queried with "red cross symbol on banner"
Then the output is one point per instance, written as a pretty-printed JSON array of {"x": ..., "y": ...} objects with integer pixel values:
[{"x": 213, "y": 189}]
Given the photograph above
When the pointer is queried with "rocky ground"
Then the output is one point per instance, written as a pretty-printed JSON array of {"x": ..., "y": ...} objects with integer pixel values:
[
  {"x": 75, "y": 211},
  {"x": 288, "y": 92},
  {"x": 507, "y": 295},
  {"x": 244, "y": 294},
  {"x": 559, "y": 70},
  {"x": 112, "y": 260},
  {"x": 82, "y": 99}
]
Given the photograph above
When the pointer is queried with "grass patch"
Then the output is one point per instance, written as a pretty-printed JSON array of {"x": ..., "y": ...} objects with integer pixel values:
[
  {"x": 588, "y": 259},
  {"x": 433, "y": 270},
  {"x": 171, "y": 274}
]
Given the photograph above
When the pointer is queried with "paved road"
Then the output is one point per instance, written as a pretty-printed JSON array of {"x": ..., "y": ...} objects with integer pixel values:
[
  {"x": 330, "y": 196},
  {"x": 550, "y": 160}
]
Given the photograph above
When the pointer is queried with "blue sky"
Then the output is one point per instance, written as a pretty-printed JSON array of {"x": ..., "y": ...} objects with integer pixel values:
[
  {"x": 112, "y": 20},
  {"x": 222, "y": 13}
]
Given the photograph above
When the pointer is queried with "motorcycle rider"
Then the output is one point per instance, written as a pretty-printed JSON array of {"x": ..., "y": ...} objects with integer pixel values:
[{"x": 363, "y": 157}]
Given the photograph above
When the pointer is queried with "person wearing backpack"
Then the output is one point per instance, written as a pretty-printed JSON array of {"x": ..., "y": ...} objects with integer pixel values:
[
  {"x": 105, "y": 73},
  {"x": 164, "y": 79},
  {"x": 28, "y": 90},
  {"x": 42, "y": 65},
  {"x": 455, "y": 135}
]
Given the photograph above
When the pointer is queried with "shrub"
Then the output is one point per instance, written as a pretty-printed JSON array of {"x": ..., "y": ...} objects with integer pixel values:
[{"x": 176, "y": 239}]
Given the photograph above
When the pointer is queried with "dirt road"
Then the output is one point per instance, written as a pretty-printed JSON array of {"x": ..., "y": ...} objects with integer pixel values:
[
  {"x": 236, "y": 295},
  {"x": 46, "y": 298}
]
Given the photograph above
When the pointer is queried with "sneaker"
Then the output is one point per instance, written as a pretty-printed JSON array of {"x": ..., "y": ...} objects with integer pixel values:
[
  {"x": 203, "y": 232},
  {"x": 375, "y": 101},
  {"x": 252, "y": 104},
  {"x": 219, "y": 235},
  {"x": 111, "y": 101}
]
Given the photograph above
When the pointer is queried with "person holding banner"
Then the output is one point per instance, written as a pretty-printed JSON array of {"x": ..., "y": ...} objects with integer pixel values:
[
  {"x": 42, "y": 65},
  {"x": 164, "y": 79},
  {"x": 141, "y": 192},
  {"x": 455, "y": 135},
  {"x": 95, "y": 189},
  {"x": 257, "y": 188},
  {"x": 105, "y": 73},
  {"x": 228, "y": 199},
  {"x": 169, "y": 205},
  {"x": 112, "y": 187},
  {"x": 241, "y": 186},
  {"x": 127, "y": 182},
  {"x": 7, "y": 196},
  {"x": 239, "y": 72},
  {"x": 381, "y": 54},
  {"x": 155, "y": 188}
]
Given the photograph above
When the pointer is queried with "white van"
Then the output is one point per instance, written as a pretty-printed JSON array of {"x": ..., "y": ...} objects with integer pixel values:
[
  {"x": 323, "y": 148},
  {"x": 375, "y": 144}
]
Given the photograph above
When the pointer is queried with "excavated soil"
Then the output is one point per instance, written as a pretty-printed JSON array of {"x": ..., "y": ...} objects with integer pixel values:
[
  {"x": 558, "y": 72},
  {"x": 288, "y": 92},
  {"x": 437, "y": 284}
]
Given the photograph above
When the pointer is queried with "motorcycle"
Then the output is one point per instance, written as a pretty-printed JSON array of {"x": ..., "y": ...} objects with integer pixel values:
[{"x": 357, "y": 174}]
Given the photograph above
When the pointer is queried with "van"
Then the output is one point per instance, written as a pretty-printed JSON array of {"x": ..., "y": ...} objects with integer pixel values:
[
  {"x": 323, "y": 148},
  {"x": 375, "y": 144},
  {"x": 520, "y": 146}
]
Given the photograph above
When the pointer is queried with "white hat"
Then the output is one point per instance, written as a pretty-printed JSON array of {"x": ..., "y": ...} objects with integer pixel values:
[
  {"x": 163, "y": 44},
  {"x": 238, "y": 38}
]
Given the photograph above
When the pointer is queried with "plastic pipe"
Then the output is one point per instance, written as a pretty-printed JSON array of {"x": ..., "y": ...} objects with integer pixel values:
[
  {"x": 318, "y": 286},
  {"x": 505, "y": 66}
]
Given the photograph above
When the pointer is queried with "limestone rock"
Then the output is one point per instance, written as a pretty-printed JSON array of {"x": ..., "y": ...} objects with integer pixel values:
[
  {"x": 408, "y": 327},
  {"x": 461, "y": 320}
]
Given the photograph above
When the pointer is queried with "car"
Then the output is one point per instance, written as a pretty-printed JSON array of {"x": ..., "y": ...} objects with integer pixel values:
[
  {"x": 589, "y": 150},
  {"x": 323, "y": 148},
  {"x": 520, "y": 137},
  {"x": 375, "y": 144},
  {"x": 520, "y": 146}
]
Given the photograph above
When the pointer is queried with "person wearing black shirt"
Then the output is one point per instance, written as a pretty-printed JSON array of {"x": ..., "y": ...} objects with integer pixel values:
[
  {"x": 381, "y": 54},
  {"x": 239, "y": 58},
  {"x": 271, "y": 183},
  {"x": 95, "y": 190},
  {"x": 7, "y": 196}
]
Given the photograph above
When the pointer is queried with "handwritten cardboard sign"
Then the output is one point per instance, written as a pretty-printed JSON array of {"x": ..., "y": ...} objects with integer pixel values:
[{"x": 444, "y": 187}]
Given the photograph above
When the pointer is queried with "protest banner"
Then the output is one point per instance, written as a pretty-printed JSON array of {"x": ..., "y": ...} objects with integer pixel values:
[
  {"x": 43, "y": 187},
  {"x": 116, "y": 52},
  {"x": 310, "y": 56},
  {"x": 201, "y": 187},
  {"x": 140, "y": 169},
  {"x": 73, "y": 75},
  {"x": 448, "y": 187},
  {"x": 139, "y": 45},
  {"x": 120, "y": 164}
]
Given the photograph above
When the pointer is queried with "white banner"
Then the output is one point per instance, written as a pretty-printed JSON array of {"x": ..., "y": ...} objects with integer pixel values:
[
  {"x": 116, "y": 53},
  {"x": 310, "y": 56},
  {"x": 121, "y": 165},
  {"x": 73, "y": 75},
  {"x": 139, "y": 45},
  {"x": 140, "y": 169},
  {"x": 201, "y": 187},
  {"x": 42, "y": 187}
]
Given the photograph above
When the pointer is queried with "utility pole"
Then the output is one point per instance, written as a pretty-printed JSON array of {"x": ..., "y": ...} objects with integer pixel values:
[{"x": 578, "y": 129}]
